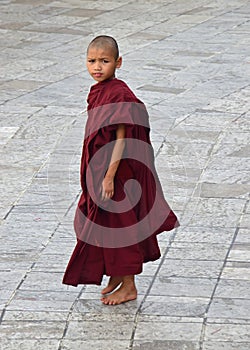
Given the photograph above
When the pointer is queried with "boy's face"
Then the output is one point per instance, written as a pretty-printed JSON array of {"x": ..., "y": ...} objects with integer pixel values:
[{"x": 101, "y": 63}]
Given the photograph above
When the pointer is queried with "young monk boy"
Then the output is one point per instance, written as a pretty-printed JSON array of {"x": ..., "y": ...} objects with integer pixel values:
[{"x": 116, "y": 226}]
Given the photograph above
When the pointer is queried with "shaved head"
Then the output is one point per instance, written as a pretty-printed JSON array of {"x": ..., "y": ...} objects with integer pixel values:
[{"x": 105, "y": 42}]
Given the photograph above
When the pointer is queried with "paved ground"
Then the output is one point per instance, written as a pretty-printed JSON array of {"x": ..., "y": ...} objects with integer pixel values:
[{"x": 188, "y": 61}]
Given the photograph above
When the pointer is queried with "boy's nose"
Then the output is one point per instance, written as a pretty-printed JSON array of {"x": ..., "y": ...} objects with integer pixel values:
[{"x": 97, "y": 66}]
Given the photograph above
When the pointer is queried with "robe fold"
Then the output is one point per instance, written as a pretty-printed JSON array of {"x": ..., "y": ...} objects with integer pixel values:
[{"x": 117, "y": 236}]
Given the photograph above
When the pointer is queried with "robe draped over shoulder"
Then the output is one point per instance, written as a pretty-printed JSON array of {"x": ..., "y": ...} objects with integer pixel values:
[{"x": 117, "y": 236}]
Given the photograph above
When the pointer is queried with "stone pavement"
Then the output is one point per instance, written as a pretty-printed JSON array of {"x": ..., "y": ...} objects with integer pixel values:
[{"x": 189, "y": 62}]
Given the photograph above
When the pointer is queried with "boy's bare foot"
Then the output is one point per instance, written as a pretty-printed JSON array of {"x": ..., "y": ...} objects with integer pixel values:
[
  {"x": 112, "y": 284},
  {"x": 126, "y": 292}
]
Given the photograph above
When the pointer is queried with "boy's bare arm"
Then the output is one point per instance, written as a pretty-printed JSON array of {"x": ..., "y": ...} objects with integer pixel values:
[
  {"x": 108, "y": 182},
  {"x": 117, "y": 152}
]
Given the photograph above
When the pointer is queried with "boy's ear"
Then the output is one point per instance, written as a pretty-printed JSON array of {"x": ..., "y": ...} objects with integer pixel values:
[{"x": 119, "y": 62}]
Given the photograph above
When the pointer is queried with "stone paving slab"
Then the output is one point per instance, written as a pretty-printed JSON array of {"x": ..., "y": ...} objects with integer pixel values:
[
  {"x": 24, "y": 344},
  {"x": 225, "y": 345},
  {"x": 168, "y": 331},
  {"x": 230, "y": 308},
  {"x": 165, "y": 344},
  {"x": 189, "y": 62}
]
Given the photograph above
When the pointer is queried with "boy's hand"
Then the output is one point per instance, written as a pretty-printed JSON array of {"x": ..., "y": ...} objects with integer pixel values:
[{"x": 107, "y": 188}]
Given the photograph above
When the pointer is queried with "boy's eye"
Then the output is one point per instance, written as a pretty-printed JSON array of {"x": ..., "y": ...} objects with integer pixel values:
[
  {"x": 105, "y": 61},
  {"x": 91, "y": 61}
]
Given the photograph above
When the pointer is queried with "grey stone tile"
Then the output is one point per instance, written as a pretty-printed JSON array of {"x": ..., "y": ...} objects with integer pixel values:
[
  {"x": 49, "y": 296},
  {"x": 41, "y": 305},
  {"x": 150, "y": 268},
  {"x": 183, "y": 287},
  {"x": 226, "y": 345},
  {"x": 222, "y": 174},
  {"x": 242, "y": 236},
  {"x": 167, "y": 331},
  {"x": 197, "y": 251},
  {"x": 240, "y": 252},
  {"x": 98, "y": 316},
  {"x": 165, "y": 344},
  {"x": 45, "y": 281},
  {"x": 199, "y": 112},
  {"x": 233, "y": 289},
  {"x": 99, "y": 331},
  {"x": 202, "y": 134},
  {"x": 175, "y": 306},
  {"x": 227, "y": 333},
  {"x": 11, "y": 278},
  {"x": 245, "y": 221},
  {"x": 82, "y": 12},
  {"x": 208, "y": 234},
  {"x": 32, "y": 330},
  {"x": 190, "y": 268},
  {"x": 94, "y": 305},
  {"x": 236, "y": 272},
  {"x": 169, "y": 319},
  {"x": 161, "y": 89},
  {"x": 214, "y": 190},
  {"x": 30, "y": 316},
  {"x": 114, "y": 344},
  {"x": 24, "y": 344},
  {"x": 221, "y": 212},
  {"x": 229, "y": 308},
  {"x": 49, "y": 262}
]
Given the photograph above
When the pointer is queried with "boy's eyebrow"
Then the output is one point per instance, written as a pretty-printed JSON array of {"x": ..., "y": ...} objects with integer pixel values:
[{"x": 101, "y": 58}]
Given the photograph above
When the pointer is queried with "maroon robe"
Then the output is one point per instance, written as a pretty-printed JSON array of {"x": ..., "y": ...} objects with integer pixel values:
[{"x": 117, "y": 236}]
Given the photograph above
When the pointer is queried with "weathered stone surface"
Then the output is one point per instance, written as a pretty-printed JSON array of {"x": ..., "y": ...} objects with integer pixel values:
[
  {"x": 175, "y": 306},
  {"x": 182, "y": 287},
  {"x": 114, "y": 344},
  {"x": 225, "y": 345},
  {"x": 189, "y": 62},
  {"x": 230, "y": 308},
  {"x": 228, "y": 332},
  {"x": 233, "y": 289},
  {"x": 165, "y": 344},
  {"x": 99, "y": 330},
  {"x": 167, "y": 331}
]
